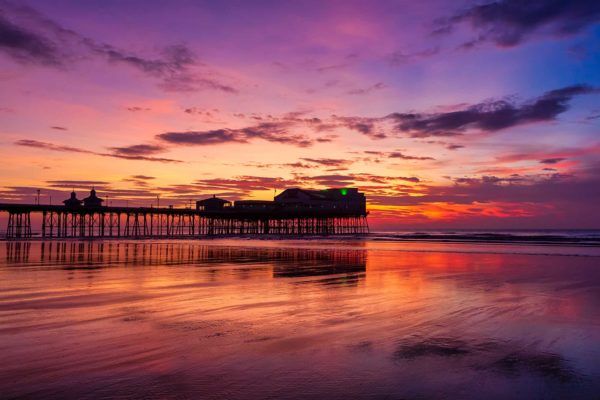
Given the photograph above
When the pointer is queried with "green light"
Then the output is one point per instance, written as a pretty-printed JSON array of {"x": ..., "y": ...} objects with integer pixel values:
[{"x": 344, "y": 192}]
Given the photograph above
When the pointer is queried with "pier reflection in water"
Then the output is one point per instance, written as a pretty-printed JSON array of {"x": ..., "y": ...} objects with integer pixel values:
[
  {"x": 247, "y": 319},
  {"x": 284, "y": 262}
]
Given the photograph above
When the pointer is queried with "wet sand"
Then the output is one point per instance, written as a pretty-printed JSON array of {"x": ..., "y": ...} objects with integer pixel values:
[{"x": 245, "y": 319}]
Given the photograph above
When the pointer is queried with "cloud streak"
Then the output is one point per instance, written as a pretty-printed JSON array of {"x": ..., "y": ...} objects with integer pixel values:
[
  {"x": 26, "y": 46},
  {"x": 508, "y": 23},
  {"x": 489, "y": 116},
  {"x": 276, "y": 132},
  {"x": 120, "y": 153},
  {"x": 38, "y": 40}
]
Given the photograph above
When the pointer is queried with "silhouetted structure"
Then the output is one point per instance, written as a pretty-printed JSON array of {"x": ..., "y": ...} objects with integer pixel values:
[
  {"x": 293, "y": 212},
  {"x": 254, "y": 205},
  {"x": 329, "y": 199},
  {"x": 92, "y": 200},
  {"x": 73, "y": 201},
  {"x": 212, "y": 204}
]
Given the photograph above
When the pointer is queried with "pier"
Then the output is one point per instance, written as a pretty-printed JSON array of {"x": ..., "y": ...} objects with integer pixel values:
[{"x": 212, "y": 217}]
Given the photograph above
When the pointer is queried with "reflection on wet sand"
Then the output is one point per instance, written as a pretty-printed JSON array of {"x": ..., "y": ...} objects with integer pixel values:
[
  {"x": 251, "y": 319},
  {"x": 285, "y": 262}
]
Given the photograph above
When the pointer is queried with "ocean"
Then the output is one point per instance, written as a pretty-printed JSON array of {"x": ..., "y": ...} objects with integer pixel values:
[{"x": 395, "y": 315}]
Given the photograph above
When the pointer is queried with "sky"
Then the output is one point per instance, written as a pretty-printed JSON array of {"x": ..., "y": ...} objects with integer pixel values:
[{"x": 446, "y": 114}]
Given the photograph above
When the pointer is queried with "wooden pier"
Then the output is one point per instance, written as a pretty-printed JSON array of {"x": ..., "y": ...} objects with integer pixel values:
[{"x": 57, "y": 221}]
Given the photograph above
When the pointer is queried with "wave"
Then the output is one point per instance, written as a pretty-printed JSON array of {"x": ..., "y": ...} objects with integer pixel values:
[{"x": 542, "y": 237}]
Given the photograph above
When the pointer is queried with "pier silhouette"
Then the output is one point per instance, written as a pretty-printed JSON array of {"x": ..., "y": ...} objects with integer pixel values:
[{"x": 294, "y": 212}]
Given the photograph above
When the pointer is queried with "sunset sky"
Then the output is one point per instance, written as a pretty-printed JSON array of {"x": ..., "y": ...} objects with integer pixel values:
[{"x": 447, "y": 114}]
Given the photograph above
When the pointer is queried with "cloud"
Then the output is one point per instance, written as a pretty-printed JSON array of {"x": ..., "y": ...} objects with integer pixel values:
[
  {"x": 397, "y": 154},
  {"x": 372, "y": 88},
  {"x": 365, "y": 125},
  {"x": 361, "y": 179},
  {"x": 173, "y": 67},
  {"x": 547, "y": 188},
  {"x": 202, "y": 138},
  {"x": 328, "y": 162},
  {"x": 36, "y": 39},
  {"x": 552, "y": 160},
  {"x": 244, "y": 184},
  {"x": 139, "y": 180},
  {"x": 75, "y": 183},
  {"x": 26, "y": 46},
  {"x": 138, "y": 150},
  {"x": 551, "y": 156},
  {"x": 398, "y": 58},
  {"x": 332, "y": 67},
  {"x": 59, "y": 128},
  {"x": 50, "y": 146},
  {"x": 489, "y": 116},
  {"x": 508, "y": 23},
  {"x": 70, "y": 149},
  {"x": 277, "y": 132}
]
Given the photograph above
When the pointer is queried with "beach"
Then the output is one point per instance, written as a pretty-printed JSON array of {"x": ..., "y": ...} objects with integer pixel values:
[{"x": 364, "y": 318}]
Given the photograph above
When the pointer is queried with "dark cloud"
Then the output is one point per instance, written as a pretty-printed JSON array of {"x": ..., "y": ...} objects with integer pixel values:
[
  {"x": 278, "y": 132},
  {"x": 26, "y": 46},
  {"x": 202, "y": 138},
  {"x": 398, "y": 58},
  {"x": 205, "y": 112},
  {"x": 332, "y": 180},
  {"x": 595, "y": 115},
  {"x": 332, "y": 67},
  {"x": 489, "y": 116},
  {"x": 355, "y": 179},
  {"x": 508, "y": 23},
  {"x": 70, "y": 149},
  {"x": 37, "y": 40},
  {"x": 372, "y": 88},
  {"x": 140, "y": 158},
  {"x": 552, "y": 160},
  {"x": 365, "y": 125},
  {"x": 173, "y": 67},
  {"x": 247, "y": 183},
  {"x": 454, "y": 146},
  {"x": 543, "y": 189},
  {"x": 58, "y": 128},
  {"x": 325, "y": 139},
  {"x": 139, "y": 180},
  {"x": 136, "y": 109},
  {"x": 50, "y": 146},
  {"x": 328, "y": 162},
  {"x": 138, "y": 150},
  {"x": 142, "y": 195},
  {"x": 294, "y": 165},
  {"x": 397, "y": 154},
  {"x": 75, "y": 183},
  {"x": 243, "y": 184}
]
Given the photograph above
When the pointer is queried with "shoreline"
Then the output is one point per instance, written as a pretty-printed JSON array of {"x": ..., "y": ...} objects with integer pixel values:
[{"x": 484, "y": 239}]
